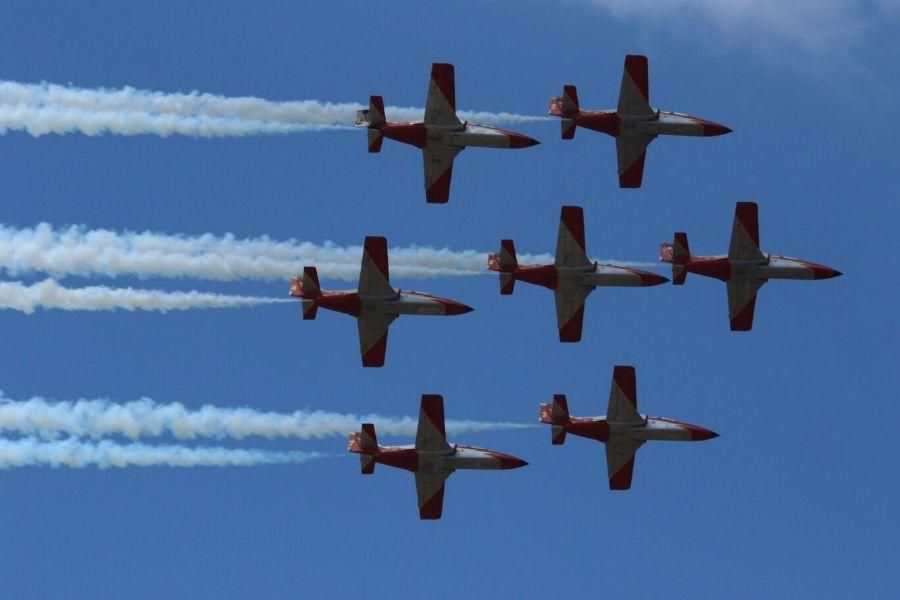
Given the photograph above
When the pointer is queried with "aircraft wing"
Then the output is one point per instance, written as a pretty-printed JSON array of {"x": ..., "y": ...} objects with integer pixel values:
[
  {"x": 742, "y": 301},
  {"x": 620, "y": 462},
  {"x": 438, "y": 171},
  {"x": 430, "y": 491},
  {"x": 570, "y": 245},
  {"x": 374, "y": 276},
  {"x": 745, "y": 234},
  {"x": 440, "y": 105},
  {"x": 634, "y": 94},
  {"x": 570, "y": 311},
  {"x": 373, "y": 334},
  {"x": 431, "y": 435},
  {"x": 630, "y": 152},
  {"x": 623, "y": 397}
]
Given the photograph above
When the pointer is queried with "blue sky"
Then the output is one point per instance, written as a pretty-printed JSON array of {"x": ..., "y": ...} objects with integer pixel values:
[{"x": 798, "y": 496}]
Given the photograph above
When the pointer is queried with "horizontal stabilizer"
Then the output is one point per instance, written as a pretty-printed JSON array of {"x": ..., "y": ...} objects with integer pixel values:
[
  {"x": 558, "y": 433},
  {"x": 366, "y": 464}
]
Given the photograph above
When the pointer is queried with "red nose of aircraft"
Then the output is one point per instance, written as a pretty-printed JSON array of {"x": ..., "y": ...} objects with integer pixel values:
[
  {"x": 651, "y": 279},
  {"x": 452, "y": 307},
  {"x": 711, "y": 129},
  {"x": 517, "y": 140},
  {"x": 509, "y": 462},
  {"x": 823, "y": 272}
]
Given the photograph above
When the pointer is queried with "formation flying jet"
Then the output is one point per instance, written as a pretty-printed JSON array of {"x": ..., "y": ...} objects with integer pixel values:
[
  {"x": 375, "y": 304},
  {"x": 634, "y": 123},
  {"x": 744, "y": 270},
  {"x": 432, "y": 458},
  {"x": 623, "y": 429},
  {"x": 572, "y": 276},
  {"x": 441, "y": 136}
]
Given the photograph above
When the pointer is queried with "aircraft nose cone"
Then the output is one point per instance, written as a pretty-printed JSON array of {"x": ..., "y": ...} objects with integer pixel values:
[
  {"x": 456, "y": 308},
  {"x": 822, "y": 272},
  {"x": 648, "y": 279},
  {"x": 511, "y": 462},
  {"x": 517, "y": 140},
  {"x": 705, "y": 434},
  {"x": 711, "y": 129}
]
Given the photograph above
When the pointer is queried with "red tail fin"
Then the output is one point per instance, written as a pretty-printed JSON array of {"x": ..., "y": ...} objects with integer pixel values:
[{"x": 505, "y": 263}]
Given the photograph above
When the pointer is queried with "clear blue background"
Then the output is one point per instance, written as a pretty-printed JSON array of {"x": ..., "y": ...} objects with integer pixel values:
[{"x": 798, "y": 496}]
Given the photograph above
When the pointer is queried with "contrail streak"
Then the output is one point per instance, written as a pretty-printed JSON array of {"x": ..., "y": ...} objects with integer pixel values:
[
  {"x": 76, "y": 453},
  {"x": 15, "y": 295},
  {"x": 83, "y": 252},
  {"x": 43, "y": 120},
  {"x": 193, "y": 104},
  {"x": 99, "y": 418}
]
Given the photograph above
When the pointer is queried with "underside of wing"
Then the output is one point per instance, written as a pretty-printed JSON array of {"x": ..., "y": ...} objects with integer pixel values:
[
  {"x": 742, "y": 302},
  {"x": 430, "y": 492},
  {"x": 630, "y": 152},
  {"x": 374, "y": 276},
  {"x": 620, "y": 463},
  {"x": 438, "y": 162},
  {"x": 440, "y": 104},
  {"x": 570, "y": 311},
  {"x": 430, "y": 434},
  {"x": 634, "y": 94},
  {"x": 623, "y": 406},
  {"x": 373, "y": 334},
  {"x": 745, "y": 234},
  {"x": 570, "y": 244}
]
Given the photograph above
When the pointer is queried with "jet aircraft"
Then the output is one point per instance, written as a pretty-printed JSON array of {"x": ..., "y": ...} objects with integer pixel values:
[
  {"x": 572, "y": 276},
  {"x": 623, "y": 429},
  {"x": 432, "y": 459},
  {"x": 744, "y": 270},
  {"x": 441, "y": 136},
  {"x": 634, "y": 123},
  {"x": 375, "y": 304}
]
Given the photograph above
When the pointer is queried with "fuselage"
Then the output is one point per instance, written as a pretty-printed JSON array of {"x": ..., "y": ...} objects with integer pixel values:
[
  {"x": 773, "y": 267},
  {"x": 661, "y": 122},
  {"x": 649, "y": 429},
  {"x": 596, "y": 275},
  {"x": 458, "y": 457},
  {"x": 421, "y": 135},
  {"x": 401, "y": 303}
]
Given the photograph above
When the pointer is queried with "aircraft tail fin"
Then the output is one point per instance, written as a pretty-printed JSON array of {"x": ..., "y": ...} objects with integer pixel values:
[
  {"x": 557, "y": 415},
  {"x": 308, "y": 290},
  {"x": 364, "y": 443},
  {"x": 566, "y": 106},
  {"x": 505, "y": 263},
  {"x": 373, "y": 118},
  {"x": 678, "y": 253}
]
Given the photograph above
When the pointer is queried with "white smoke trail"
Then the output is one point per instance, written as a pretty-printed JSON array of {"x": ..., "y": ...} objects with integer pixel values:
[
  {"x": 76, "y": 453},
  {"x": 43, "y": 120},
  {"x": 84, "y": 252},
  {"x": 16, "y": 295},
  {"x": 193, "y": 104},
  {"x": 145, "y": 418}
]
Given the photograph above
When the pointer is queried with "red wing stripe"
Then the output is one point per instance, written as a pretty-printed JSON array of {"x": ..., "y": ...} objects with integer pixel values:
[
  {"x": 571, "y": 331},
  {"x": 376, "y": 249},
  {"x": 636, "y": 66},
  {"x": 622, "y": 479},
  {"x": 743, "y": 320},
  {"x": 374, "y": 356},
  {"x": 634, "y": 174},
  {"x": 443, "y": 76},
  {"x": 439, "y": 191},
  {"x": 433, "y": 407},
  {"x": 625, "y": 378},
  {"x": 748, "y": 215},
  {"x": 573, "y": 218},
  {"x": 433, "y": 506}
]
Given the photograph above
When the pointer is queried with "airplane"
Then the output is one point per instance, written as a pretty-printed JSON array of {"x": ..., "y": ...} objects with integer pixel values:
[
  {"x": 572, "y": 277},
  {"x": 622, "y": 429},
  {"x": 441, "y": 136},
  {"x": 634, "y": 123},
  {"x": 432, "y": 459},
  {"x": 375, "y": 304},
  {"x": 744, "y": 270}
]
